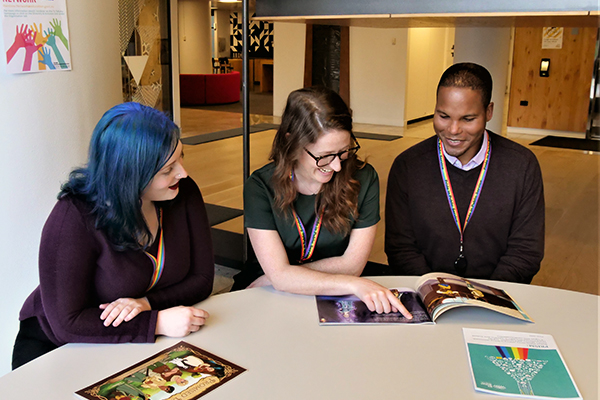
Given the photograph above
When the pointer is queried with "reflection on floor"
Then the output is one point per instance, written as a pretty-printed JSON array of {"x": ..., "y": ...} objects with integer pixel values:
[{"x": 571, "y": 180}]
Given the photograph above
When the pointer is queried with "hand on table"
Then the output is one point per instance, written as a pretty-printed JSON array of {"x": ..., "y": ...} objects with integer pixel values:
[
  {"x": 378, "y": 298},
  {"x": 180, "y": 321},
  {"x": 124, "y": 309},
  {"x": 262, "y": 281}
]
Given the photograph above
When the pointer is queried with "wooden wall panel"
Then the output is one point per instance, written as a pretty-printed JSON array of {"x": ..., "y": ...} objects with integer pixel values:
[{"x": 560, "y": 101}]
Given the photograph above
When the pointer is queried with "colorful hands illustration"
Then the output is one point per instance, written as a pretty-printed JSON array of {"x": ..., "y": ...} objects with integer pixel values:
[
  {"x": 32, "y": 39},
  {"x": 50, "y": 37},
  {"x": 52, "y": 43},
  {"x": 22, "y": 34},
  {"x": 39, "y": 37},
  {"x": 20, "y": 41},
  {"x": 57, "y": 26},
  {"x": 30, "y": 48},
  {"x": 45, "y": 57}
]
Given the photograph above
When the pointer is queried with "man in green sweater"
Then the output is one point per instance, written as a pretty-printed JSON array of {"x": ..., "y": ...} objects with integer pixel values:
[{"x": 466, "y": 201}]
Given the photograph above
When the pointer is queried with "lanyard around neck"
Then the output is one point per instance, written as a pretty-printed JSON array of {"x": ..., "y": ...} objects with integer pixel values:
[
  {"x": 308, "y": 244},
  {"x": 476, "y": 192},
  {"x": 159, "y": 261}
]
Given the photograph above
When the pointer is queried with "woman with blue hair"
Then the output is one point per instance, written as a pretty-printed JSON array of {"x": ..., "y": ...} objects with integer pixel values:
[{"x": 126, "y": 252}]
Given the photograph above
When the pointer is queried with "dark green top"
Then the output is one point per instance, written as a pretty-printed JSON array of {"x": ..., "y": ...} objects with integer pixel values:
[{"x": 260, "y": 213}]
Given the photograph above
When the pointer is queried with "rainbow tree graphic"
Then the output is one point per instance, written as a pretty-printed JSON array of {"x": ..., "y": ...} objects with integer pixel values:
[{"x": 514, "y": 362}]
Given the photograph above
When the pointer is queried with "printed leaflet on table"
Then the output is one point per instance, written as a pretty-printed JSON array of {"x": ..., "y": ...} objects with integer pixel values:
[
  {"x": 180, "y": 372},
  {"x": 436, "y": 293},
  {"x": 518, "y": 364}
]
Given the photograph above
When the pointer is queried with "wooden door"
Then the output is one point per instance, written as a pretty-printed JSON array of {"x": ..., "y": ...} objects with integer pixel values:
[{"x": 561, "y": 100}]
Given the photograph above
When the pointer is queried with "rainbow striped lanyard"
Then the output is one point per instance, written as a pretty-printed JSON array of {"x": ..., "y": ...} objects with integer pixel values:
[
  {"x": 308, "y": 247},
  {"x": 307, "y": 251},
  {"x": 159, "y": 261},
  {"x": 476, "y": 192}
]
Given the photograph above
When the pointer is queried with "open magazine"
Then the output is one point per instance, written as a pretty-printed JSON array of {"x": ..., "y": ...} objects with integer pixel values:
[
  {"x": 180, "y": 372},
  {"x": 518, "y": 364},
  {"x": 435, "y": 294}
]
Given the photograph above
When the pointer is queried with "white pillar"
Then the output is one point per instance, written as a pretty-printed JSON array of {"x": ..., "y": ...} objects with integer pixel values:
[
  {"x": 195, "y": 48},
  {"x": 489, "y": 47},
  {"x": 288, "y": 62},
  {"x": 223, "y": 30},
  {"x": 378, "y": 65},
  {"x": 429, "y": 54},
  {"x": 46, "y": 120}
]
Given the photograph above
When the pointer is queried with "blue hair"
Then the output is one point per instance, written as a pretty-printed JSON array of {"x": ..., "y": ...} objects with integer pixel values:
[{"x": 130, "y": 144}]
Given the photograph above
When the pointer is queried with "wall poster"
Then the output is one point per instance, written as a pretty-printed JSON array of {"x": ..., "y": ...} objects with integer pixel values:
[
  {"x": 261, "y": 37},
  {"x": 552, "y": 37},
  {"x": 36, "y": 35}
]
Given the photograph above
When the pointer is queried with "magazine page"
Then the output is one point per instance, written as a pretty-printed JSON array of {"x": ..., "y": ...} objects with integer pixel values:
[
  {"x": 180, "y": 372},
  {"x": 518, "y": 364},
  {"x": 341, "y": 310},
  {"x": 441, "y": 292}
]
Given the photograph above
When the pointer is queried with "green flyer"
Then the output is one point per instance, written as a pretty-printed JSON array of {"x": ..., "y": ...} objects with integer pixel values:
[{"x": 519, "y": 364}]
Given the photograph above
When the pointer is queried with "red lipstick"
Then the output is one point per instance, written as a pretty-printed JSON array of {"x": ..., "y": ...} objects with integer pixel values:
[{"x": 175, "y": 186}]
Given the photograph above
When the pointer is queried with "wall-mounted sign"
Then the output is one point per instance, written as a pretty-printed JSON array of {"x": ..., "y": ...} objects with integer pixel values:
[
  {"x": 36, "y": 35},
  {"x": 261, "y": 37},
  {"x": 552, "y": 37}
]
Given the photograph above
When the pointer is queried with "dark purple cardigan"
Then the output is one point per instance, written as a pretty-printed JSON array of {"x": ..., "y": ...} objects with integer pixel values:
[
  {"x": 504, "y": 239},
  {"x": 79, "y": 270}
]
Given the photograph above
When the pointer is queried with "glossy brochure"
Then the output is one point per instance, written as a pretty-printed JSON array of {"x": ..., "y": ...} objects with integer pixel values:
[
  {"x": 441, "y": 292},
  {"x": 436, "y": 293},
  {"x": 180, "y": 372},
  {"x": 519, "y": 364}
]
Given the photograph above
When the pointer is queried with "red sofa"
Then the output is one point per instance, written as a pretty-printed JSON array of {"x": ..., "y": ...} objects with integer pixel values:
[{"x": 198, "y": 89}]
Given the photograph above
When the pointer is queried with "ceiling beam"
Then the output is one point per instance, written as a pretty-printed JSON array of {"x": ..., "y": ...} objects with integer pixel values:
[{"x": 432, "y": 13}]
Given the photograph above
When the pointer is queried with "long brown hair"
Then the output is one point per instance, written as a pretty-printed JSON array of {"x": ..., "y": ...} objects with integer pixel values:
[{"x": 310, "y": 113}]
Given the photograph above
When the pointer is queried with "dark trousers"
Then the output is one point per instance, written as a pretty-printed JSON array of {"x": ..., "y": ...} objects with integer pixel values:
[{"x": 31, "y": 342}]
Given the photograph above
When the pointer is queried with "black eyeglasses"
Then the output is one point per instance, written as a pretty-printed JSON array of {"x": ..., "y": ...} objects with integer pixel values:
[{"x": 323, "y": 161}]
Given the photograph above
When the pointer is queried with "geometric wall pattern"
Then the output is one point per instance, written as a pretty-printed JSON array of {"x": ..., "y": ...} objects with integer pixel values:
[
  {"x": 129, "y": 12},
  {"x": 261, "y": 36},
  {"x": 145, "y": 64}
]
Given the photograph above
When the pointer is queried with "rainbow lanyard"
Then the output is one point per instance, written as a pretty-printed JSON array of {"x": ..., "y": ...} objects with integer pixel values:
[
  {"x": 159, "y": 261},
  {"x": 307, "y": 251},
  {"x": 476, "y": 192}
]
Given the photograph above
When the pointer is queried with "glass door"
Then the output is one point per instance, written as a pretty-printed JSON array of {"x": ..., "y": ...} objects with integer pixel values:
[
  {"x": 593, "y": 126},
  {"x": 145, "y": 43}
]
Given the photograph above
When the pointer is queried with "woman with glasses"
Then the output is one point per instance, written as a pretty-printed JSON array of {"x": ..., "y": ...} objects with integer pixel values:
[
  {"x": 311, "y": 213},
  {"x": 126, "y": 252}
]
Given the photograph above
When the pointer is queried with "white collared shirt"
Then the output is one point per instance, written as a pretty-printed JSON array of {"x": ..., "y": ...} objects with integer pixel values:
[{"x": 475, "y": 161}]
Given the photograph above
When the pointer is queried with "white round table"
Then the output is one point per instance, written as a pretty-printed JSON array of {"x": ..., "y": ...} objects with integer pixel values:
[{"x": 277, "y": 338}]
